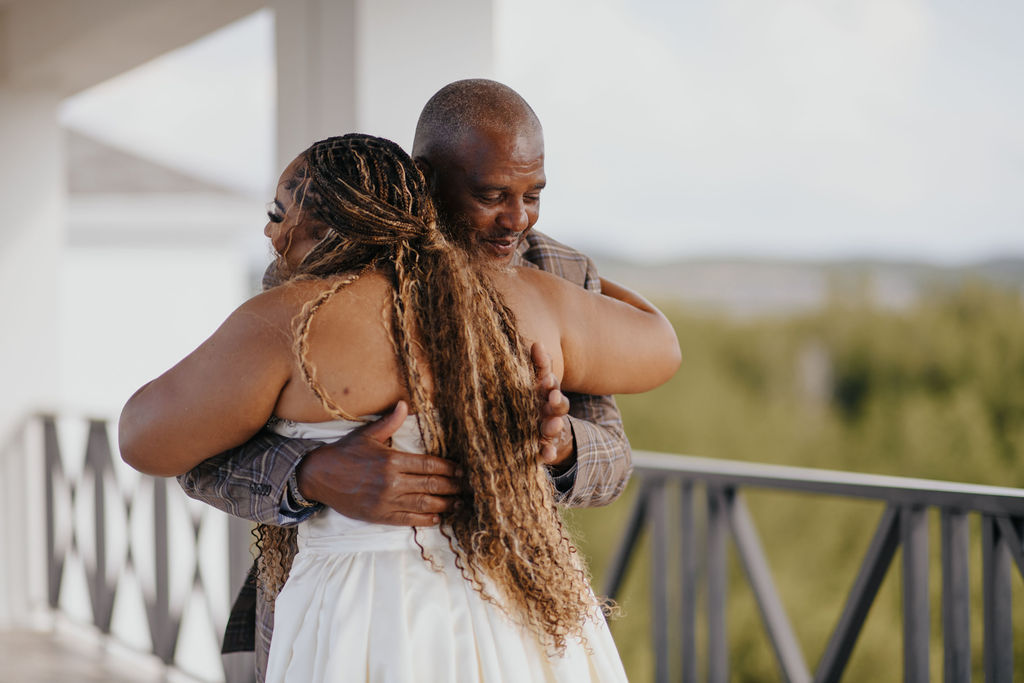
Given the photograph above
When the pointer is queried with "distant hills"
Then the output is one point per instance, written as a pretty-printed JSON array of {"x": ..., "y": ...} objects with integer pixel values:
[{"x": 753, "y": 287}]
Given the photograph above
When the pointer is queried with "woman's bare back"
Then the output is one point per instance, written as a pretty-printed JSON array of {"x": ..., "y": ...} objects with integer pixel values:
[{"x": 350, "y": 341}]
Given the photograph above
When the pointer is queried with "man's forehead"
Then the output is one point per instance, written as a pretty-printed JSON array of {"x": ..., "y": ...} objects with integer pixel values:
[{"x": 486, "y": 152}]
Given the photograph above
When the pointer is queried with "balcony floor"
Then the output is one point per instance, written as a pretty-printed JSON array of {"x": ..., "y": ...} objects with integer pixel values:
[{"x": 61, "y": 656}]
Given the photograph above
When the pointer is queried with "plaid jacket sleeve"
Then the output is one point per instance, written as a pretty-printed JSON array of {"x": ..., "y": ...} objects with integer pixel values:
[
  {"x": 251, "y": 481},
  {"x": 603, "y": 457}
]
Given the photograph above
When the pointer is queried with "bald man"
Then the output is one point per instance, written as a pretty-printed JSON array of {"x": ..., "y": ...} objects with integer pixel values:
[{"x": 481, "y": 148}]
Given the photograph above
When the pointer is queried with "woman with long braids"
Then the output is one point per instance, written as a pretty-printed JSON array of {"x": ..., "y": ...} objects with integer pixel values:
[{"x": 387, "y": 310}]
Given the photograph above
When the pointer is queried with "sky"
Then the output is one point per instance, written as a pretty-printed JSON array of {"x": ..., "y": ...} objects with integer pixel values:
[{"x": 752, "y": 128}]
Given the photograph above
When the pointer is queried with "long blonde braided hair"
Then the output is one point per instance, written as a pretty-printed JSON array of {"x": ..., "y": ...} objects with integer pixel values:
[{"x": 482, "y": 410}]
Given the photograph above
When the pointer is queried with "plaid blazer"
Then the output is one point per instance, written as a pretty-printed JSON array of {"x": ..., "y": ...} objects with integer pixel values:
[{"x": 251, "y": 481}]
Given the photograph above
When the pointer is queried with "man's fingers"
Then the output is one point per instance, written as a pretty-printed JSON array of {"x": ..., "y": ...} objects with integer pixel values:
[
  {"x": 422, "y": 503},
  {"x": 420, "y": 463},
  {"x": 557, "y": 405},
  {"x": 384, "y": 428},
  {"x": 546, "y": 384},
  {"x": 553, "y": 413},
  {"x": 412, "y": 519},
  {"x": 551, "y": 427},
  {"x": 554, "y": 408},
  {"x": 414, "y": 484},
  {"x": 542, "y": 367},
  {"x": 541, "y": 359}
]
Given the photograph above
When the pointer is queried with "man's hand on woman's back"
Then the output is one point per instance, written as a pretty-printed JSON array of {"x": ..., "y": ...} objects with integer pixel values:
[{"x": 361, "y": 477}]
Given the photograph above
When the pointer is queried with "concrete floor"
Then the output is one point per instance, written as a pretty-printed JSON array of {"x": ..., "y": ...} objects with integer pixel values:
[{"x": 62, "y": 656}]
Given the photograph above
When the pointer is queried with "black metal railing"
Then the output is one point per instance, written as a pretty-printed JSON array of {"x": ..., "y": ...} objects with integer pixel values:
[
  {"x": 903, "y": 523},
  {"x": 105, "y": 566}
]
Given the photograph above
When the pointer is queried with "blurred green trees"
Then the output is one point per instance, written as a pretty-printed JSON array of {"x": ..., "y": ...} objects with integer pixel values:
[{"x": 933, "y": 391}]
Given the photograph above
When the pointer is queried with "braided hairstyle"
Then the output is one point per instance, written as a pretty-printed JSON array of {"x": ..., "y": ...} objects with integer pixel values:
[{"x": 448, "y": 323}]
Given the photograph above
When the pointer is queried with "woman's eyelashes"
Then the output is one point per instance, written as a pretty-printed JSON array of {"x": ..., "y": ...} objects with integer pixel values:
[{"x": 274, "y": 212}]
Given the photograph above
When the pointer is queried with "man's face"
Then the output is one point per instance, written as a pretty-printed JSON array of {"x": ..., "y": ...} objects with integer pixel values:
[{"x": 490, "y": 185}]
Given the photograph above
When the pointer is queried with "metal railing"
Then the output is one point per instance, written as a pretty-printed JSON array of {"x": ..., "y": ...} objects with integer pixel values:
[
  {"x": 903, "y": 522},
  {"x": 114, "y": 511}
]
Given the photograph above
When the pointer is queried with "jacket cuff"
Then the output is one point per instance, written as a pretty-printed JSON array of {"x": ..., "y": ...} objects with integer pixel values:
[{"x": 603, "y": 465}]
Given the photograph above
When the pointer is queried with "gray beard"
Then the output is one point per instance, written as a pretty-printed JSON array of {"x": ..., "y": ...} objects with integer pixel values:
[{"x": 457, "y": 230}]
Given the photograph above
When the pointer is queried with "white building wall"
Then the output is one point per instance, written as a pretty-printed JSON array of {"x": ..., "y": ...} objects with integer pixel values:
[
  {"x": 31, "y": 232},
  {"x": 130, "y": 313}
]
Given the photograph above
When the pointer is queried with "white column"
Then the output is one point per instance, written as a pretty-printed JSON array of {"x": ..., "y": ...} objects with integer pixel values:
[
  {"x": 316, "y": 72},
  {"x": 31, "y": 235},
  {"x": 409, "y": 49},
  {"x": 370, "y": 65}
]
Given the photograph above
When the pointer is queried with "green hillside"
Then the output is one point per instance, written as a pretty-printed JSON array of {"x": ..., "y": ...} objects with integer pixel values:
[{"x": 935, "y": 390}]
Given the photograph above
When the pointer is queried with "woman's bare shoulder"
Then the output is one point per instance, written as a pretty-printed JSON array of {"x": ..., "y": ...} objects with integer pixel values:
[
  {"x": 533, "y": 280},
  {"x": 279, "y": 306},
  {"x": 556, "y": 293}
]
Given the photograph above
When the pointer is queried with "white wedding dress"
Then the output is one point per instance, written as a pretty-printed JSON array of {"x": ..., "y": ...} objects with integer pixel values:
[{"x": 361, "y": 604}]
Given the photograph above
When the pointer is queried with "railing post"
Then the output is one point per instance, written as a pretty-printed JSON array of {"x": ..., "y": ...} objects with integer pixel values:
[
  {"x": 718, "y": 647},
  {"x": 659, "y": 579},
  {"x": 164, "y": 632},
  {"x": 916, "y": 608},
  {"x": 997, "y": 597},
  {"x": 101, "y": 589},
  {"x": 956, "y": 606},
  {"x": 18, "y": 529},
  {"x": 688, "y": 597},
  {"x": 630, "y": 537},
  {"x": 54, "y": 467}
]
